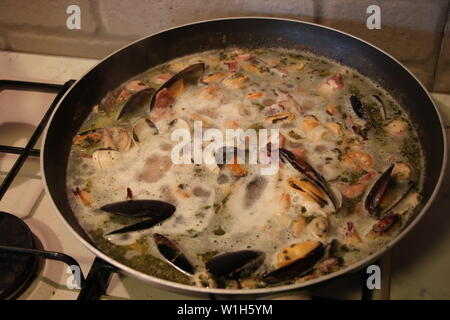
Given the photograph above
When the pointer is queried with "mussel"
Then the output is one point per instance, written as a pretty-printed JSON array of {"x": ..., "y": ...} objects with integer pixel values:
[
  {"x": 376, "y": 193},
  {"x": 143, "y": 129},
  {"x": 172, "y": 254},
  {"x": 363, "y": 114},
  {"x": 235, "y": 265},
  {"x": 135, "y": 102},
  {"x": 173, "y": 86},
  {"x": 305, "y": 168},
  {"x": 380, "y": 189},
  {"x": 296, "y": 267},
  {"x": 156, "y": 211}
]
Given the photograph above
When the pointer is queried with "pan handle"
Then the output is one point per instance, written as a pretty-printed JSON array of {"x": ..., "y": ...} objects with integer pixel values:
[{"x": 97, "y": 281}]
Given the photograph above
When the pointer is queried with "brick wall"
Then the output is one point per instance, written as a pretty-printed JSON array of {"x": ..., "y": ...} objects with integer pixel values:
[{"x": 416, "y": 32}]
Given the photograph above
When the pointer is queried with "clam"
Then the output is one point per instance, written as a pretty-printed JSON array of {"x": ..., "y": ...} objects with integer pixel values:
[
  {"x": 135, "y": 103},
  {"x": 298, "y": 260},
  {"x": 235, "y": 265},
  {"x": 143, "y": 129},
  {"x": 318, "y": 227},
  {"x": 310, "y": 173},
  {"x": 172, "y": 254},
  {"x": 156, "y": 211},
  {"x": 163, "y": 97},
  {"x": 106, "y": 158}
]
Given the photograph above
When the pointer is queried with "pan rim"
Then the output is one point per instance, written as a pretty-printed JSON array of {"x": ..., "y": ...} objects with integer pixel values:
[{"x": 171, "y": 285}]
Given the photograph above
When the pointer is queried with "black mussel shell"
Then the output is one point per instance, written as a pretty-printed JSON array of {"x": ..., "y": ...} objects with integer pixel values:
[
  {"x": 235, "y": 265},
  {"x": 189, "y": 74},
  {"x": 136, "y": 102},
  {"x": 294, "y": 269},
  {"x": 377, "y": 191},
  {"x": 156, "y": 211},
  {"x": 172, "y": 254},
  {"x": 140, "y": 208},
  {"x": 313, "y": 176}
]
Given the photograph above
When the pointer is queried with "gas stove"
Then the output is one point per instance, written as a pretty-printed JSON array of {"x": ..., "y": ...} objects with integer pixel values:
[{"x": 29, "y": 221}]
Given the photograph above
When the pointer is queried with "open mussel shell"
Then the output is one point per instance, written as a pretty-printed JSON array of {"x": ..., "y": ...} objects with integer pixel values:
[
  {"x": 143, "y": 129},
  {"x": 377, "y": 191},
  {"x": 156, "y": 211},
  {"x": 295, "y": 269},
  {"x": 313, "y": 176},
  {"x": 359, "y": 109},
  {"x": 135, "y": 104},
  {"x": 172, "y": 254},
  {"x": 189, "y": 74},
  {"x": 140, "y": 208},
  {"x": 363, "y": 114},
  {"x": 235, "y": 265}
]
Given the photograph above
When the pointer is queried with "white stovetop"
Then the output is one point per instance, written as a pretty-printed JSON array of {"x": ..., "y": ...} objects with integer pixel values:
[{"x": 419, "y": 267}]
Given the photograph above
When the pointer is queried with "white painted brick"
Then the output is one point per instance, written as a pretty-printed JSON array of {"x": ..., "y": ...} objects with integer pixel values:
[
  {"x": 442, "y": 79},
  {"x": 148, "y": 16},
  {"x": 86, "y": 46},
  {"x": 47, "y": 14},
  {"x": 410, "y": 30}
]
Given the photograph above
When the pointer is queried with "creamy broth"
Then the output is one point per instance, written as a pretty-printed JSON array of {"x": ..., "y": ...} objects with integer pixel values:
[{"x": 346, "y": 127}]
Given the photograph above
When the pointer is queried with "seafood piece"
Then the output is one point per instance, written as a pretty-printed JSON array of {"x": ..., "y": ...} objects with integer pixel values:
[
  {"x": 308, "y": 190},
  {"x": 351, "y": 236},
  {"x": 117, "y": 138},
  {"x": 143, "y": 129},
  {"x": 213, "y": 77},
  {"x": 402, "y": 171},
  {"x": 310, "y": 122},
  {"x": 163, "y": 97},
  {"x": 281, "y": 117},
  {"x": 84, "y": 196},
  {"x": 377, "y": 191},
  {"x": 358, "y": 160},
  {"x": 235, "y": 80},
  {"x": 155, "y": 168},
  {"x": 328, "y": 265},
  {"x": 135, "y": 102},
  {"x": 235, "y": 265},
  {"x": 332, "y": 84},
  {"x": 89, "y": 138},
  {"x": 309, "y": 255},
  {"x": 318, "y": 227},
  {"x": 173, "y": 255},
  {"x": 305, "y": 168},
  {"x": 397, "y": 127},
  {"x": 385, "y": 225},
  {"x": 106, "y": 158},
  {"x": 157, "y": 211}
]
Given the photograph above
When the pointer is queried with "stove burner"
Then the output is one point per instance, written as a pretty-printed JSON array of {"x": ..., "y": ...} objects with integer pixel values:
[{"x": 16, "y": 269}]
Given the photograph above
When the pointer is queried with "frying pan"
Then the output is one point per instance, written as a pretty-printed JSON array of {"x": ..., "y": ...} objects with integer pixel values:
[{"x": 139, "y": 56}]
